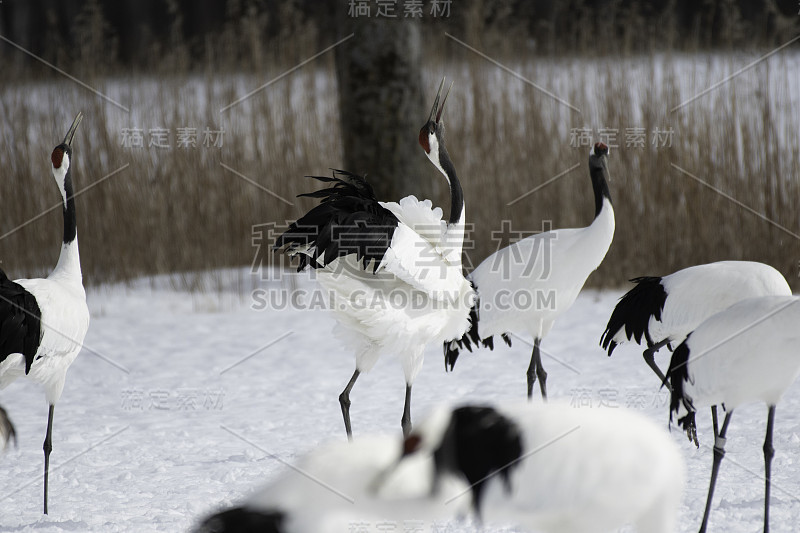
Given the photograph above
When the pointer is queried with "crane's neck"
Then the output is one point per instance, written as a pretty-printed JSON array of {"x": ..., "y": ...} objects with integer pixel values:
[
  {"x": 441, "y": 160},
  {"x": 69, "y": 262},
  {"x": 454, "y": 238},
  {"x": 457, "y": 206},
  {"x": 602, "y": 195},
  {"x": 600, "y": 233}
]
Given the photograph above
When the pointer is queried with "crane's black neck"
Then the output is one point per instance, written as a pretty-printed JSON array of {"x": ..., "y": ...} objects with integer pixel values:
[
  {"x": 600, "y": 185},
  {"x": 70, "y": 222},
  {"x": 456, "y": 193}
]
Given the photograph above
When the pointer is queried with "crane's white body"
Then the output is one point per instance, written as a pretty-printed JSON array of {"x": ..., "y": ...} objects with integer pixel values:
[
  {"x": 698, "y": 292},
  {"x": 339, "y": 484},
  {"x": 582, "y": 471},
  {"x": 748, "y": 352},
  {"x": 418, "y": 294},
  {"x": 64, "y": 322},
  {"x": 547, "y": 271}
]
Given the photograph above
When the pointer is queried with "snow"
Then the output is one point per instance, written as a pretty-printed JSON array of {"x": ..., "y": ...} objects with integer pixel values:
[{"x": 182, "y": 402}]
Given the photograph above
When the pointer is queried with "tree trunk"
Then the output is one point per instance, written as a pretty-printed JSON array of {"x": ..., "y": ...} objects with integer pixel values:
[{"x": 381, "y": 103}]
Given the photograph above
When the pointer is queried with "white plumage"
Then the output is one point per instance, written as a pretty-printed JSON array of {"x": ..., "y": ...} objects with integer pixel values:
[
  {"x": 64, "y": 323},
  {"x": 573, "y": 255},
  {"x": 663, "y": 310},
  {"x": 745, "y": 353},
  {"x": 417, "y": 295},
  {"x": 526, "y": 286},
  {"x": 391, "y": 270},
  {"x": 553, "y": 468},
  {"x": 340, "y": 485},
  {"x": 44, "y": 321}
]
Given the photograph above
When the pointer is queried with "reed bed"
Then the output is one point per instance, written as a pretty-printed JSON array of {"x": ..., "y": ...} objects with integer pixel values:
[{"x": 190, "y": 208}]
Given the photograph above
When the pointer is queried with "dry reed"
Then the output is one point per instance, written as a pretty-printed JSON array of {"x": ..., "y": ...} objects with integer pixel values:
[{"x": 178, "y": 209}]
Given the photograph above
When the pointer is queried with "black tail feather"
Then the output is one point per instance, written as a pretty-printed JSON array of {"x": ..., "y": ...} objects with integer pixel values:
[
  {"x": 678, "y": 375},
  {"x": 471, "y": 338},
  {"x": 633, "y": 312}
]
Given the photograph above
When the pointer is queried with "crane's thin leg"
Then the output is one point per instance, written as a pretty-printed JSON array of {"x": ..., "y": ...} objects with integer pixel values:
[
  {"x": 344, "y": 401},
  {"x": 769, "y": 453},
  {"x": 715, "y": 421},
  {"x": 719, "y": 453},
  {"x": 531, "y": 373},
  {"x": 651, "y": 361},
  {"x": 405, "y": 422},
  {"x": 48, "y": 447},
  {"x": 540, "y": 373}
]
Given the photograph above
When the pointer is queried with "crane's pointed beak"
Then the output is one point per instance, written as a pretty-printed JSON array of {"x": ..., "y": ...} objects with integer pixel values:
[
  {"x": 73, "y": 129},
  {"x": 436, "y": 112},
  {"x": 441, "y": 108}
]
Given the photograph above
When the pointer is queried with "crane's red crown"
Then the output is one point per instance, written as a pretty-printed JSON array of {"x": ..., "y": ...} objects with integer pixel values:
[{"x": 57, "y": 157}]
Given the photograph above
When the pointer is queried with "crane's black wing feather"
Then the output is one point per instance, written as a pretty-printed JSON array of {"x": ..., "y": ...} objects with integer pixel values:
[
  {"x": 633, "y": 312},
  {"x": 348, "y": 220},
  {"x": 20, "y": 321}
]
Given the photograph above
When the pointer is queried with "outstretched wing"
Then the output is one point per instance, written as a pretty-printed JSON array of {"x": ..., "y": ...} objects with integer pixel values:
[
  {"x": 407, "y": 239},
  {"x": 348, "y": 220}
]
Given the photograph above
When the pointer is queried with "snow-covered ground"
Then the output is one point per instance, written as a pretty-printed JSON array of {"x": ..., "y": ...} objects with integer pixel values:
[{"x": 183, "y": 402}]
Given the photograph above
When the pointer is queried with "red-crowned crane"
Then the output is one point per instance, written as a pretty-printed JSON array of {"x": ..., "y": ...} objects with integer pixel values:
[
  {"x": 43, "y": 321},
  {"x": 661, "y": 311},
  {"x": 392, "y": 269},
  {"x": 746, "y": 353},
  {"x": 554, "y": 468},
  {"x": 340, "y": 485},
  {"x": 526, "y": 286}
]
